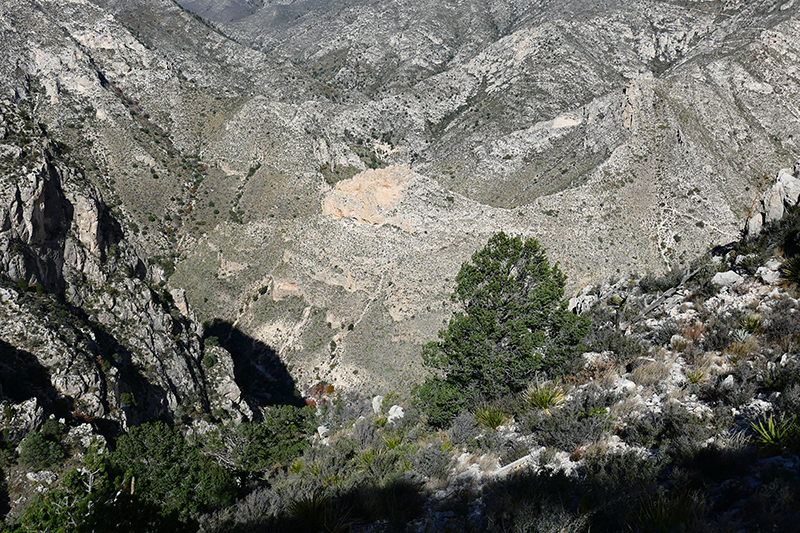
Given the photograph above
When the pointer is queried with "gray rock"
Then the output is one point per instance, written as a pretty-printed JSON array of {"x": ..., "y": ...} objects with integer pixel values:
[
  {"x": 44, "y": 477},
  {"x": 726, "y": 279}
]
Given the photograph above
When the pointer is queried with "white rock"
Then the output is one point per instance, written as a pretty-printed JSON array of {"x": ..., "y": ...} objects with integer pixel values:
[
  {"x": 45, "y": 477},
  {"x": 768, "y": 276},
  {"x": 395, "y": 413},
  {"x": 726, "y": 279},
  {"x": 623, "y": 386},
  {"x": 727, "y": 383},
  {"x": 377, "y": 402},
  {"x": 322, "y": 431}
]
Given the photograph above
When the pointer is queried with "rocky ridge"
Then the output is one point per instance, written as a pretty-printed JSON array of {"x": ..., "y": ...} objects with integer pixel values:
[
  {"x": 81, "y": 315},
  {"x": 597, "y": 128}
]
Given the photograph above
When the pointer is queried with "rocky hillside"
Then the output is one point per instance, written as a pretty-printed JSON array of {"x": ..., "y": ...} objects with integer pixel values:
[
  {"x": 231, "y": 139},
  {"x": 80, "y": 312}
]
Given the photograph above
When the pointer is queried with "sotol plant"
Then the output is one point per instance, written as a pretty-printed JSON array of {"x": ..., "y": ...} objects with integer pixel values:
[{"x": 774, "y": 435}]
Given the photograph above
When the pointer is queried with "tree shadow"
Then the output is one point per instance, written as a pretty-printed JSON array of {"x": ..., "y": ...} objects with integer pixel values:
[{"x": 258, "y": 370}]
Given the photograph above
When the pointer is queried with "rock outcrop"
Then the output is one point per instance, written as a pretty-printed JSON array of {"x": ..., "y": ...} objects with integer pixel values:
[
  {"x": 83, "y": 331},
  {"x": 770, "y": 207}
]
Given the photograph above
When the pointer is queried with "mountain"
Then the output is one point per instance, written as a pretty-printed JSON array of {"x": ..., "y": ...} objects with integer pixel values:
[
  {"x": 301, "y": 167},
  {"x": 214, "y": 212}
]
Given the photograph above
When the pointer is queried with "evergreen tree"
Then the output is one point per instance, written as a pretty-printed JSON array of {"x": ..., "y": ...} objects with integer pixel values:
[{"x": 514, "y": 325}]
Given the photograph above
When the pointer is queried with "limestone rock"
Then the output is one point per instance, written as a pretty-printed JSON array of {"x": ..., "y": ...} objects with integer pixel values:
[{"x": 726, "y": 279}]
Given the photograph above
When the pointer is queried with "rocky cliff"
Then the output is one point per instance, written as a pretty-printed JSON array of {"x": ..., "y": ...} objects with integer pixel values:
[
  {"x": 84, "y": 330},
  {"x": 234, "y": 146}
]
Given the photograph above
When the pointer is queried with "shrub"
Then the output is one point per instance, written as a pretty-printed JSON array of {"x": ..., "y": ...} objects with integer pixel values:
[
  {"x": 515, "y": 324},
  {"x": 490, "y": 416},
  {"x": 39, "y": 451},
  {"x": 463, "y": 430},
  {"x": 255, "y": 448},
  {"x": 171, "y": 472},
  {"x": 209, "y": 360},
  {"x": 544, "y": 395}
]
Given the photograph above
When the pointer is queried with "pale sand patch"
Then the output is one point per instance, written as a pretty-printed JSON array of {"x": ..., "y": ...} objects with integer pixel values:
[{"x": 368, "y": 196}]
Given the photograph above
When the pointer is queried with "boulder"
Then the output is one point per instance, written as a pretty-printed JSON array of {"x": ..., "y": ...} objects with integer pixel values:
[{"x": 726, "y": 279}]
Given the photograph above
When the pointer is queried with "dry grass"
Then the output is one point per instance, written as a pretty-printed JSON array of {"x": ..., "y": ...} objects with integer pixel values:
[
  {"x": 652, "y": 373},
  {"x": 742, "y": 349},
  {"x": 693, "y": 332}
]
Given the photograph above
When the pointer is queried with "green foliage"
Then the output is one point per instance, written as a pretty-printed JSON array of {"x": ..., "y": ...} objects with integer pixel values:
[
  {"x": 209, "y": 360},
  {"x": 96, "y": 499},
  {"x": 661, "y": 512},
  {"x": 790, "y": 270},
  {"x": 544, "y": 395},
  {"x": 40, "y": 450},
  {"x": 774, "y": 435},
  {"x": 210, "y": 342},
  {"x": 490, "y": 416},
  {"x": 171, "y": 473},
  {"x": 256, "y": 448},
  {"x": 514, "y": 325}
]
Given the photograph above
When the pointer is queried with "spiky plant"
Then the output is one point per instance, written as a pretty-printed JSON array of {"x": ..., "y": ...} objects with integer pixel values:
[
  {"x": 772, "y": 434},
  {"x": 490, "y": 416},
  {"x": 544, "y": 395},
  {"x": 790, "y": 270}
]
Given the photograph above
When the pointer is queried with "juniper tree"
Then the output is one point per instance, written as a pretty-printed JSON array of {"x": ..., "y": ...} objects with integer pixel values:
[{"x": 513, "y": 325}]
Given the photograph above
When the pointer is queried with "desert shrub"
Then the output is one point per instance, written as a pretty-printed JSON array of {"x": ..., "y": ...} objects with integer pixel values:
[
  {"x": 432, "y": 461},
  {"x": 662, "y": 335},
  {"x": 580, "y": 421},
  {"x": 363, "y": 434},
  {"x": 605, "y": 336},
  {"x": 789, "y": 401},
  {"x": 344, "y": 409},
  {"x": 782, "y": 322},
  {"x": 39, "y": 450},
  {"x": 614, "y": 483},
  {"x": 684, "y": 511},
  {"x": 463, "y": 430},
  {"x": 720, "y": 328},
  {"x": 675, "y": 431},
  {"x": 650, "y": 283}
]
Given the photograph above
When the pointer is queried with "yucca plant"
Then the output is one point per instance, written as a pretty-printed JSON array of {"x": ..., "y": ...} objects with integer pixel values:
[
  {"x": 544, "y": 395},
  {"x": 751, "y": 323},
  {"x": 695, "y": 375},
  {"x": 790, "y": 270},
  {"x": 490, "y": 416},
  {"x": 772, "y": 434},
  {"x": 664, "y": 513}
]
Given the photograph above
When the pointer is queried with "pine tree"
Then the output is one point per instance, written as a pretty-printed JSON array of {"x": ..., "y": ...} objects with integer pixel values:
[{"x": 514, "y": 325}]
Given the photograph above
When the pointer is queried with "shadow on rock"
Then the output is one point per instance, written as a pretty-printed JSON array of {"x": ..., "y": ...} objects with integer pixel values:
[{"x": 258, "y": 370}]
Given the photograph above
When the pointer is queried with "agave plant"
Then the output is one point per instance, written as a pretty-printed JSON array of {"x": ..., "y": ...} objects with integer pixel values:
[
  {"x": 544, "y": 395},
  {"x": 490, "y": 416},
  {"x": 790, "y": 270},
  {"x": 772, "y": 434}
]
